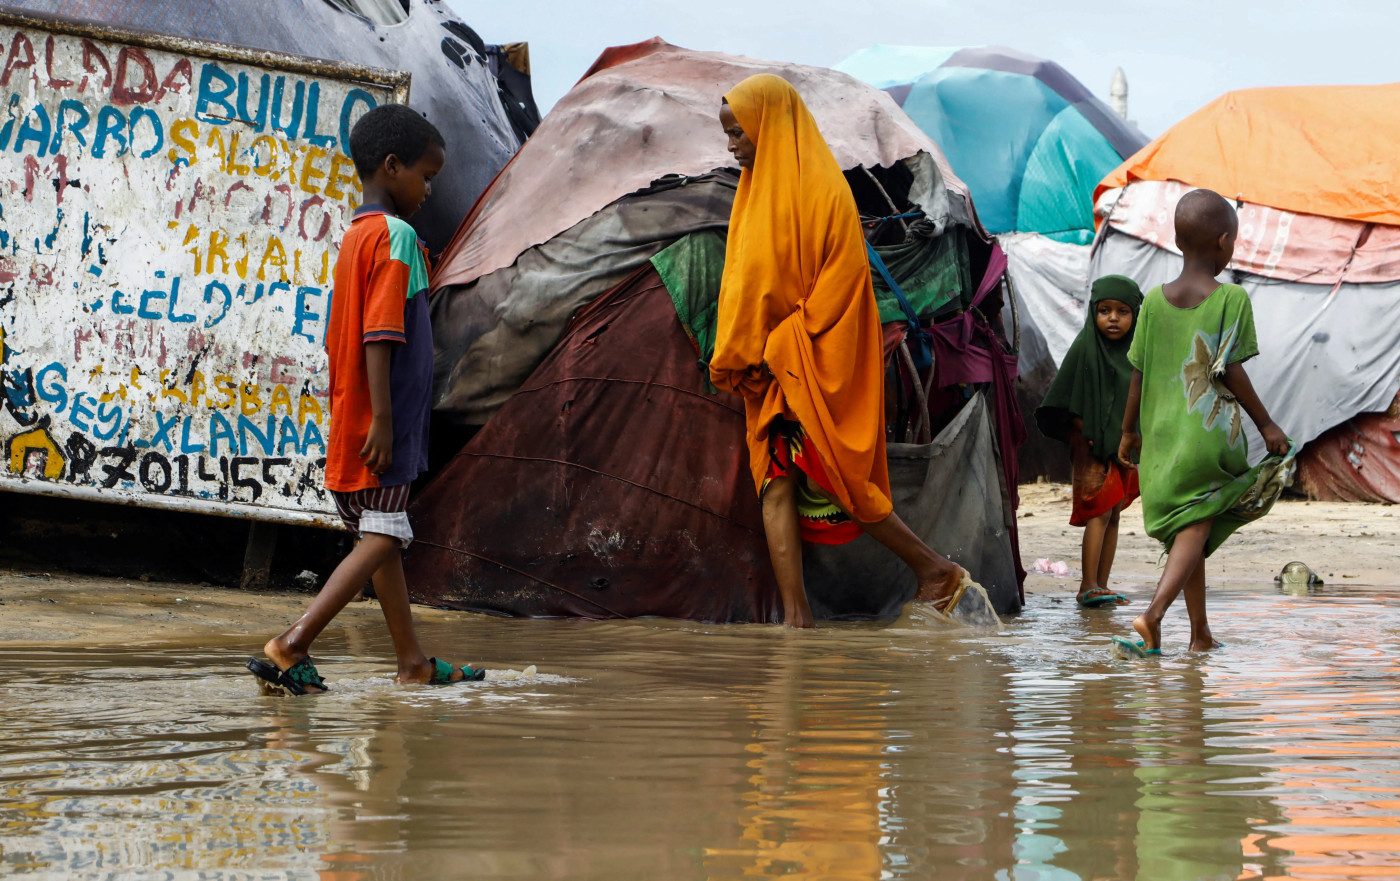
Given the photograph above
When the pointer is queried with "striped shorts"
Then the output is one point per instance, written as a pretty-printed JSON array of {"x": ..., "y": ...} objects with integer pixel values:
[{"x": 382, "y": 510}]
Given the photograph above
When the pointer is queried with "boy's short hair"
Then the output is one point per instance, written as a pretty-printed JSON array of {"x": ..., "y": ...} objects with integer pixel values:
[
  {"x": 1202, "y": 217},
  {"x": 391, "y": 129}
]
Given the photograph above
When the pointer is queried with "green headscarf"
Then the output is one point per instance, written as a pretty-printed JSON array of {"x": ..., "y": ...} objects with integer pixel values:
[{"x": 1094, "y": 377}]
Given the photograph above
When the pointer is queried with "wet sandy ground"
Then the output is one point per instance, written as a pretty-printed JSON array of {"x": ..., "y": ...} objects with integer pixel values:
[{"x": 1346, "y": 544}]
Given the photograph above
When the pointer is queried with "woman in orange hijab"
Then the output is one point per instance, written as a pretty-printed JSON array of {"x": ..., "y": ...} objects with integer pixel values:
[{"x": 799, "y": 339}]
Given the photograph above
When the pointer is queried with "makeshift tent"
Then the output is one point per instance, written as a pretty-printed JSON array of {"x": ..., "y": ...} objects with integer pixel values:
[
  {"x": 610, "y": 478},
  {"x": 1318, "y": 251},
  {"x": 452, "y": 81},
  {"x": 1031, "y": 142}
]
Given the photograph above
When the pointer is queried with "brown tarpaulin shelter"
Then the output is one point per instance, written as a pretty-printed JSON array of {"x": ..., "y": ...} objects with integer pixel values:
[
  {"x": 609, "y": 478},
  {"x": 604, "y": 487},
  {"x": 614, "y": 483},
  {"x": 555, "y": 229}
]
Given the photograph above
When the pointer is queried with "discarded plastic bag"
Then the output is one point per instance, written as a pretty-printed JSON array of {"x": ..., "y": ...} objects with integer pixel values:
[
  {"x": 1043, "y": 566},
  {"x": 971, "y": 607}
]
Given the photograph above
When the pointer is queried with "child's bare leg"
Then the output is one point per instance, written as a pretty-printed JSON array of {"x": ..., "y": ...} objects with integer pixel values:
[
  {"x": 784, "y": 536},
  {"x": 345, "y": 583},
  {"x": 1195, "y": 593},
  {"x": 1108, "y": 549},
  {"x": 937, "y": 576},
  {"x": 1090, "y": 553},
  {"x": 1186, "y": 555},
  {"x": 392, "y": 590}
]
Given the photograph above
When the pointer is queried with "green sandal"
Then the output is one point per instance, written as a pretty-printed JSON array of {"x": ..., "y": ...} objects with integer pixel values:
[
  {"x": 294, "y": 679},
  {"x": 1127, "y": 648},
  {"x": 442, "y": 673},
  {"x": 1098, "y": 597}
]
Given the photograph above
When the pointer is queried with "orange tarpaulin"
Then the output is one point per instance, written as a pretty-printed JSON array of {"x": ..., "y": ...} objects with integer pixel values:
[{"x": 1328, "y": 150}]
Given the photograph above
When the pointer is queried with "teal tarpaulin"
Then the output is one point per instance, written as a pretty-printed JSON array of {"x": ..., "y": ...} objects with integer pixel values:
[{"x": 1029, "y": 140}]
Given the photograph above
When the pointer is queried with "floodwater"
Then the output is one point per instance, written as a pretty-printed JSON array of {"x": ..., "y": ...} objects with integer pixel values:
[{"x": 664, "y": 750}]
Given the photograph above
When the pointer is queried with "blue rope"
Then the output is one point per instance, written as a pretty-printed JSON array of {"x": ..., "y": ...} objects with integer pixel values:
[{"x": 920, "y": 341}]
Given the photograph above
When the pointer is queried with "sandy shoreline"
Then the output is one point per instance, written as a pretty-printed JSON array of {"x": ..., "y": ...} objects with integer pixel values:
[{"x": 1345, "y": 543}]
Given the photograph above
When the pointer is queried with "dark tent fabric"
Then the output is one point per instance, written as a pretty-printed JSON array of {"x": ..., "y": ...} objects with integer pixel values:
[
  {"x": 510, "y": 64},
  {"x": 618, "y": 487},
  {"x": 951, "y": 493},
  {"x": 452, "y": 81},
  {"x": 489, "y": 336},
  {"x": 605, "y": 487}
]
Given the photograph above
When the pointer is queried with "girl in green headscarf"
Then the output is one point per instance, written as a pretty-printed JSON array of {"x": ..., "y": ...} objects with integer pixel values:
[{"x": 1084, "y": 408}]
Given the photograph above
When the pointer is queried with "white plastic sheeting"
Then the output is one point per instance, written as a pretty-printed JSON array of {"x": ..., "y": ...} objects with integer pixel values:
[
  {"x": 1052, "y": 289},
  {"x": 386, "y": 12},
  {"x": 1325, "y": 353}
]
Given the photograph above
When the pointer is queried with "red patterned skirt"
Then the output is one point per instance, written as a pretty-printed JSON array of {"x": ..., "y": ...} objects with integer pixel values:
[{"x": 821, "y": 521}]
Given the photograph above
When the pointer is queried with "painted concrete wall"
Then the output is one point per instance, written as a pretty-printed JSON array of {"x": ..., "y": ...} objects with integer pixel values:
[{"x": 169, "y": 222}]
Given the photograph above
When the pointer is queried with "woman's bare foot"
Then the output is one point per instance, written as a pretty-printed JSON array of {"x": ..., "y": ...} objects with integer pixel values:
[
  {"x": 939, "y": 583},
  {"x": 284, "y": 657},
  {"x": 1203, "y": 643},
  {"x": 799, "y": 617},
  {"x": 1150, "y": 631}
]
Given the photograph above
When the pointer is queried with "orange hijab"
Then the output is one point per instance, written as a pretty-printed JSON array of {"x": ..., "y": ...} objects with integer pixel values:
[{"x": 797, "y": 297}]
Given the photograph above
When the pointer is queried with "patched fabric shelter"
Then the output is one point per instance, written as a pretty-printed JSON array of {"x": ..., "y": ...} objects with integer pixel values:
[
  {"x": 1031, "y": 142},
  {"x": 1318, "y": 251},
  {"x": 610, "y": 479}
]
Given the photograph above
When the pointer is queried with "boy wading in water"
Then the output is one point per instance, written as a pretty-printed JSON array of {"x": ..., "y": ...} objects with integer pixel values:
[
  {"x": 1188, "y": 388},
  {"x": 1084, "y": 408},
  {"x": 381, "y": 368}
]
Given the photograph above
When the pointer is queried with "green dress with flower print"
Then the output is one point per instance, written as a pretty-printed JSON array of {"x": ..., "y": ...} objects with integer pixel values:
[{"x": 1194, "y": 464}]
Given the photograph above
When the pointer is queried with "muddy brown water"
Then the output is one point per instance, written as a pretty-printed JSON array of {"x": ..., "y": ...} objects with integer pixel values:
[{"x": 664, "y": 750}]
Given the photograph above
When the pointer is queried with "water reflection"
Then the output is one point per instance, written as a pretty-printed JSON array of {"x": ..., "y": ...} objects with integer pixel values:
[
  {"x": 815, "y": 796},
  {"x": 661, "y": 750}
]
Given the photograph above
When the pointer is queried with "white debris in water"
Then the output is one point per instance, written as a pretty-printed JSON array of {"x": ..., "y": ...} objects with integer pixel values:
[{"x": 528, "y": 673}]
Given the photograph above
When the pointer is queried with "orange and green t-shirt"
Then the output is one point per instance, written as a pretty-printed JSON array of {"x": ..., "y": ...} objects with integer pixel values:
[{"x": 380, "y": 295}]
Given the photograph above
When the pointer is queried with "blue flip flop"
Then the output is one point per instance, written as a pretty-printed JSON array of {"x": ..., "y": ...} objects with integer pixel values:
[
  {"x": 1127, "y": 648},
  {"x": 1102, "y": 599}
]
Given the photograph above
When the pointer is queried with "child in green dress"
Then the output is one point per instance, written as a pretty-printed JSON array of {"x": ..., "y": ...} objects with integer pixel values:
[{"x": 1188, "y": 388}]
